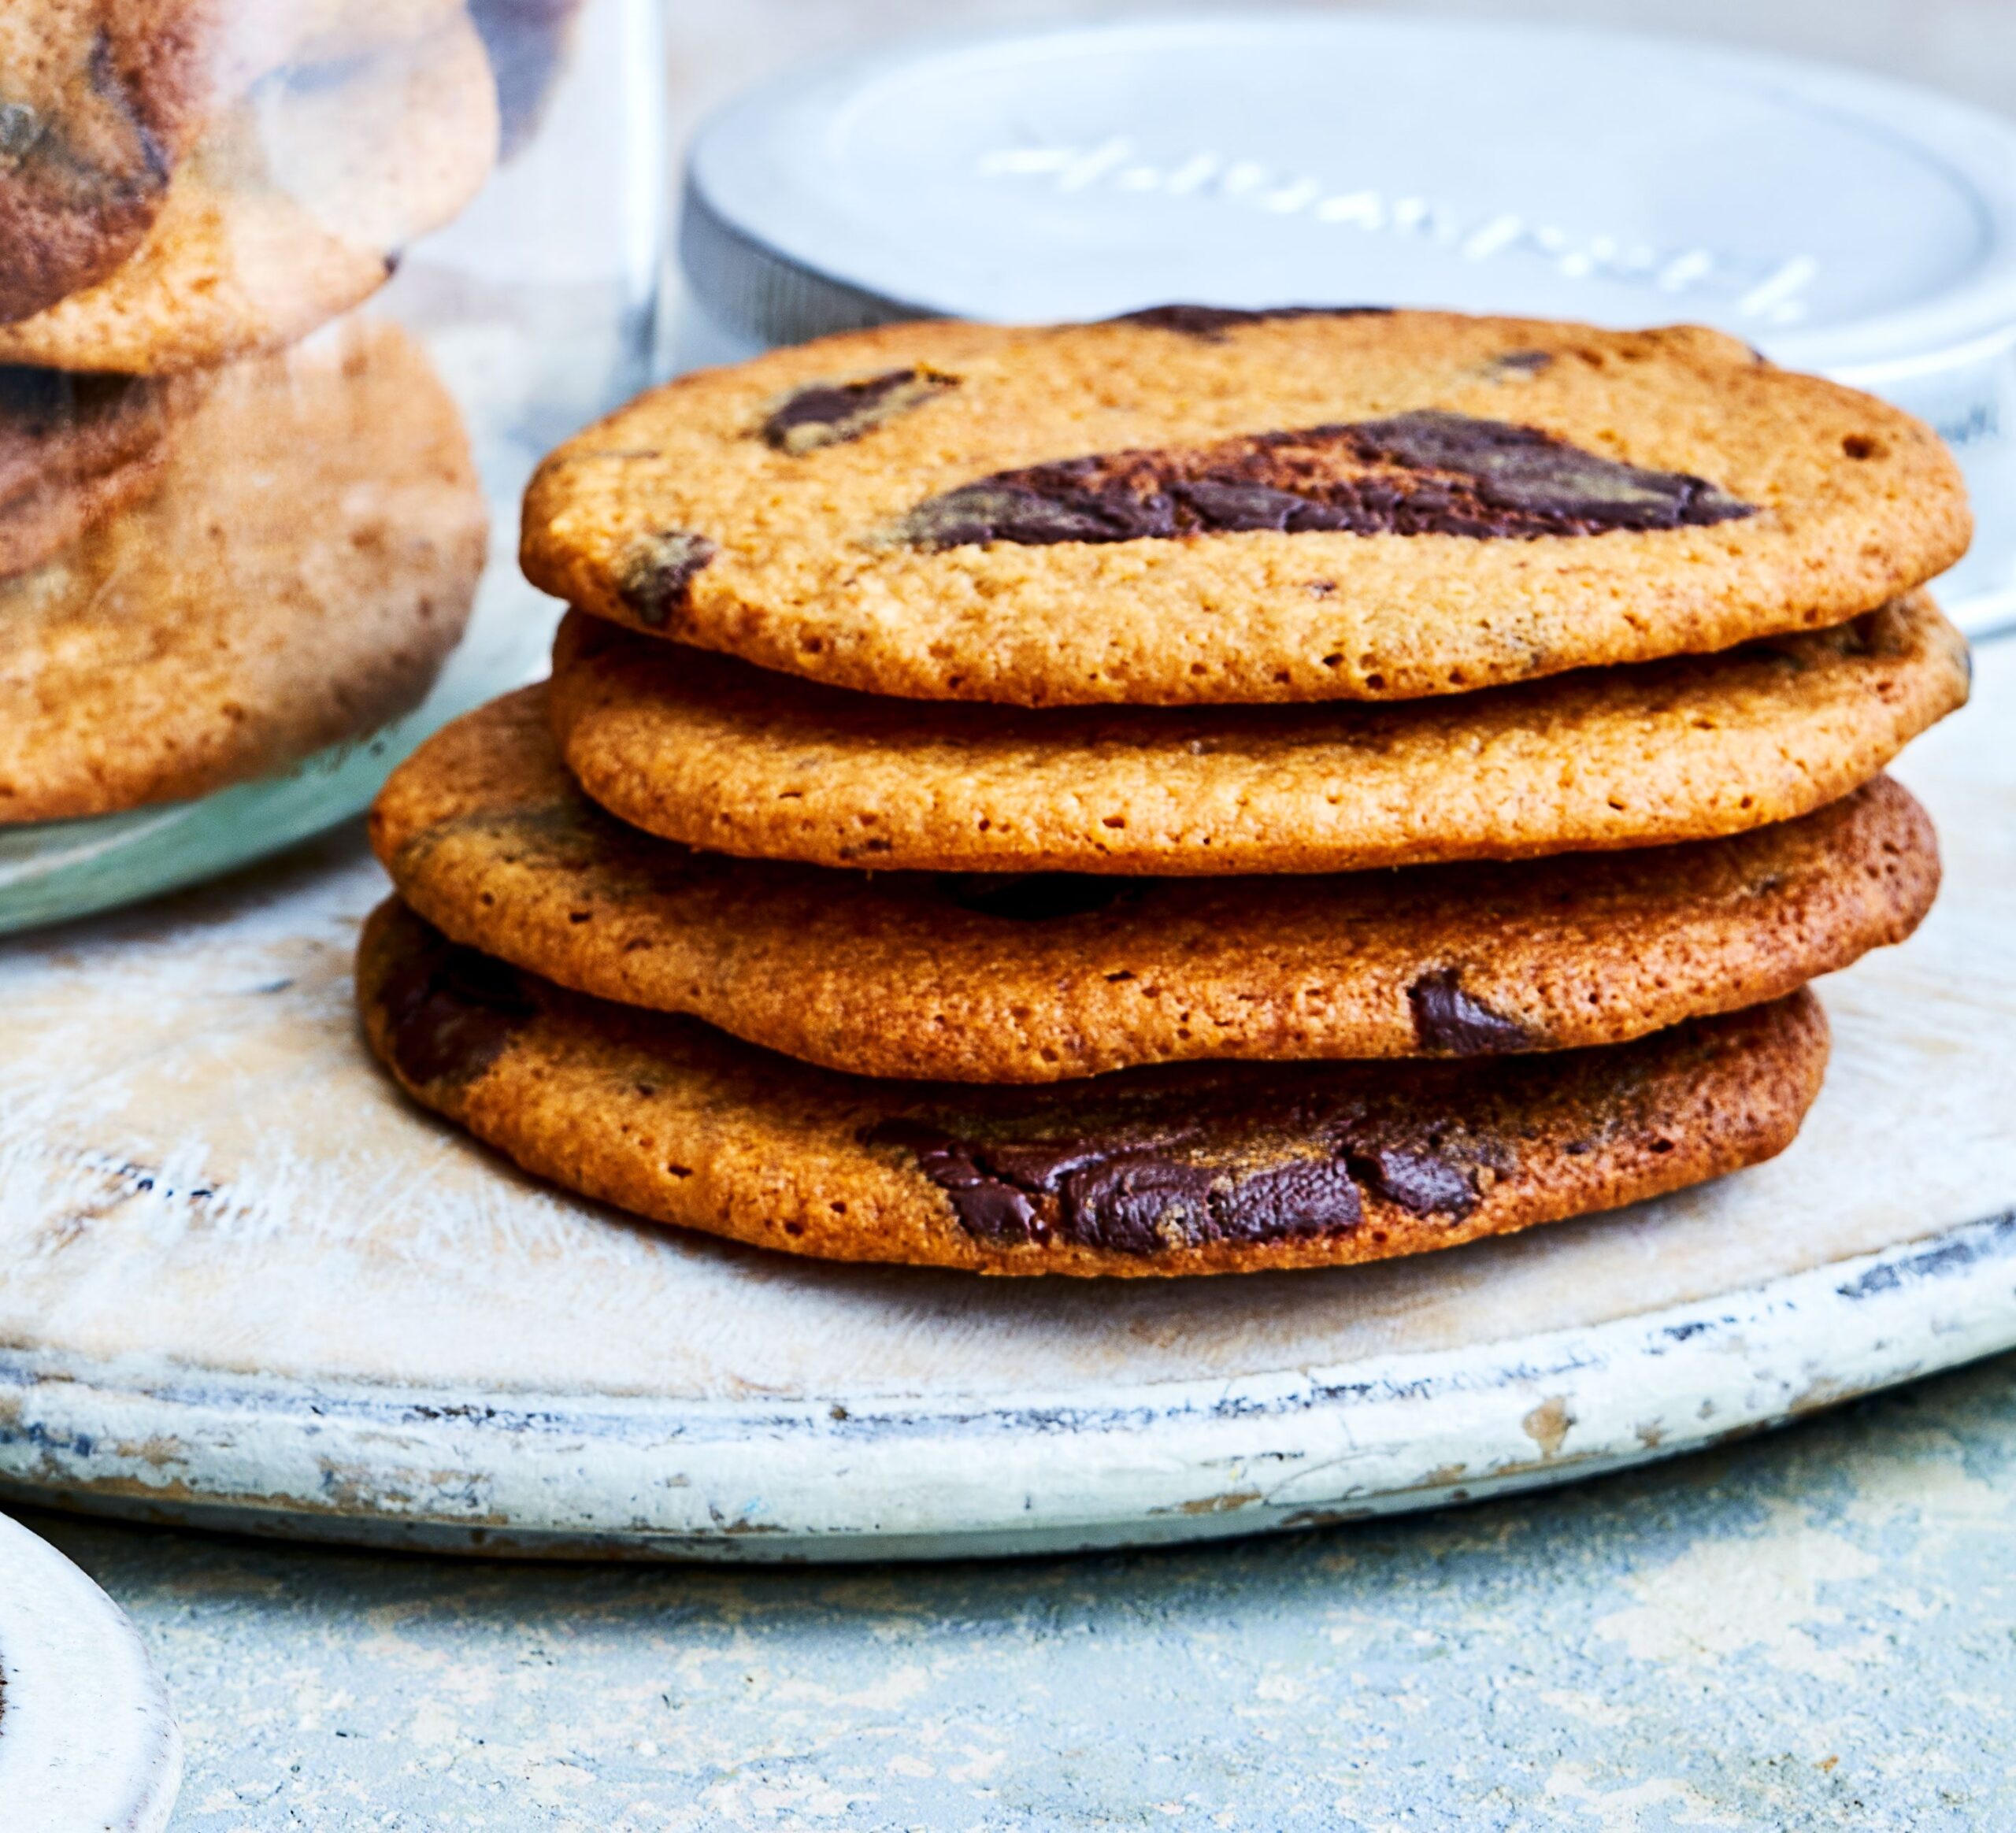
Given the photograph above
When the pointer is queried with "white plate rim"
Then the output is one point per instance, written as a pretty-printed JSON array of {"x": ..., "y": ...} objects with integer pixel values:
[
  {"x": 87, "y": 1743},
  {"x": 559, "y": 1474}
]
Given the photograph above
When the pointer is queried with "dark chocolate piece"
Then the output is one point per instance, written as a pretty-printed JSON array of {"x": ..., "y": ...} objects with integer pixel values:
[
  {"x": 829, "y": 413},
  {"x": 1450, "y": 1022},
  {"x": 657, "y": 570},
  {"x": 1420, "y": 1183},
  {"x": 1033, "y": 897},
  {"x": 450, "y": 1012},
  {"x": 1305, "y": 1196},
  {"x": 1424, "y": 473},
  {"x": 1210, "y": 322},
  {"x": 1138, "y": 1201},
  {"x": 1522, "y": 363},
  {"x": 21, "y": 127},
  {"x": 1525, "y": 471},
  {"x": 1136, "y": 1196},
  {"x": 55, "y": 423}
]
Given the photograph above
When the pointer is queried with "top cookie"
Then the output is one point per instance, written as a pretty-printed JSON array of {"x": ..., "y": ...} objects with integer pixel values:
[{"x": 1192, "y": 506}]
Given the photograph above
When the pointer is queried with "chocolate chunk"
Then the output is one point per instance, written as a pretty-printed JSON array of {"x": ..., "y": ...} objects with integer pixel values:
[
  {"x": 21, "y": 127},
  {"x": 1520, "y": 363},
  {"x": 657, "y": 570},
  {"x": 1233, "y": 507},
  {"x": 1048, "y": 509},
  {"x": 1136, "y": 1195},
  {"x": 997, "y": 1211},
  {"x": 1315, "y": 1196},
  {"x": 450, "y": 1012},
  {"x": 1136, "y": 1202},
  {"x": 1420, "y": 1183},
  {"x": 1450, "y": 1022},
  {"x": 1423, "y": 473},
  {"x": 1212, "y": 322},
  {"x": 1033, "y": 897},
  {"x": 992, "y": 1208},
  {"x": 37, "y": 407},
  {"x": 1043, "y": 1165},
  {"x": 831, "y": 413},
  {"x": 1522, "y": 469}
]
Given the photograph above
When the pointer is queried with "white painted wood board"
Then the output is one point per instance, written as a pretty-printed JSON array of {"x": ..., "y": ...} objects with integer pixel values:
[{"x": 242, "y": 1281}]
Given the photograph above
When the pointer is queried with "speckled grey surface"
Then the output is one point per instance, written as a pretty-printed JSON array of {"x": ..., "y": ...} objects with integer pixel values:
[{"x": 1817, "y": 1629}]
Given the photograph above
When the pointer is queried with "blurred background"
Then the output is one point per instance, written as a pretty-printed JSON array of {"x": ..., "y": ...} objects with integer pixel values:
[{"x": 1966, "y": 46}]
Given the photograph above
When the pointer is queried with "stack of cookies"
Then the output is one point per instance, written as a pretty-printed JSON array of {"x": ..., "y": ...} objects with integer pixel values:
[
  {"x": 1207, "y": 791},
  {"x": 219, "y": 552}
]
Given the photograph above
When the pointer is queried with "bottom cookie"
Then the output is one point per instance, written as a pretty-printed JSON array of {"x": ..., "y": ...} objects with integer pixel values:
[{"x": 1205, "y": 1169}]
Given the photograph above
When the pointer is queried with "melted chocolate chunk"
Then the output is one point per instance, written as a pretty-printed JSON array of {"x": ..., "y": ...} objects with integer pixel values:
[
  {"x": 1520, "y": 363},
  {"x": 1313, "y": 1196},
  {"x": 450, "y": 1013},
  {"x": 38, "y": 402},
  {"x": 1449, "y": 1022},
  {"x": 1424, "y": 473},
  {"x": 1420, "y": 1183},
  {"x": 1525, "y": 471},
  {"x": 1134, "y": 1197},
  {"x": 1210, "y": 322},
  {"x": 657, "y": 570},
  {"x": 1138, "y": 1201},
  {"x": 831, "y": 413},
  {"x": 1032, "y": 897}
]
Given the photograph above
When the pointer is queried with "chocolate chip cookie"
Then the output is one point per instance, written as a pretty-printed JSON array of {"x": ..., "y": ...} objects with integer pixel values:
[
  {"x": 705, "y": 749},
  {"x": 1193, "y": 1168},
  {"x": 305, "y": 565},
  {"x": 100, "y": 101},
  {"x": 1042, "y": 977},
  {"x": 74, "y": 449},
  {"x": 1190, "y": 507},
  {"x": 291, "y": 209}
]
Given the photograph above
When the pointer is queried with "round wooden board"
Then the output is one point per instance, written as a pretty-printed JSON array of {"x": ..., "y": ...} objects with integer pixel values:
[
  {"x": 243, "y": 1283},
  {"x": 87, "y": 1743}
]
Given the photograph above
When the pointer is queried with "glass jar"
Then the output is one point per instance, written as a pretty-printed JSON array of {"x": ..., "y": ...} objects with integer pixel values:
[{"x": 293, "y": 295}]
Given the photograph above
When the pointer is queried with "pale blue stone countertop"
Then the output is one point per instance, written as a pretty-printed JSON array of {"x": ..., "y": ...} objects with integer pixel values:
[{"x": 1815, "y": 1629}]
